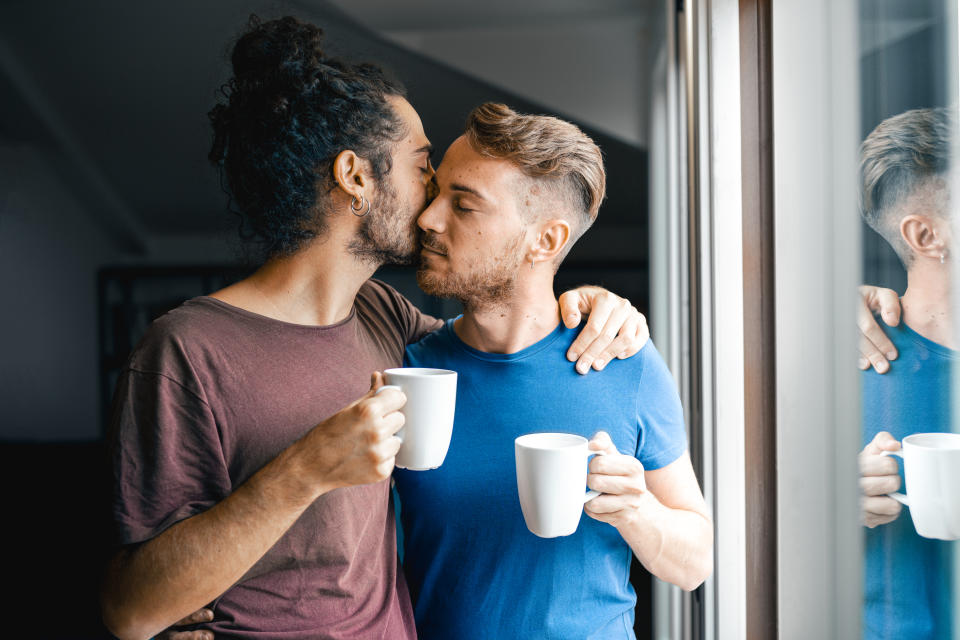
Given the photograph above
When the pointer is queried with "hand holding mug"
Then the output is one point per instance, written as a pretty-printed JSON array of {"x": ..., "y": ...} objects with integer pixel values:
[
  {"x": 620, "y": 480},
  {"x": 356, "y": 445},
  {"x": 879, "y": 477}
]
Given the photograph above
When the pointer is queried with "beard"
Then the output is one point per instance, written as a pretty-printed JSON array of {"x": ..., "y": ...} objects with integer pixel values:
[
  {"x": 387, "y": 235},
  {"x": 485, "y": 282}
]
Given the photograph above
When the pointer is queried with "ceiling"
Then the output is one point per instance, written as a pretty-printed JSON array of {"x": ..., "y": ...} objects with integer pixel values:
[
  {"x": 119, "y": 91},
  {"x": 424, "y": 15}
]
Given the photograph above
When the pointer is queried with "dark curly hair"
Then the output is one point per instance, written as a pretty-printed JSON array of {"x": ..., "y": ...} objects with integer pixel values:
[{"x": 289, "y": 111}]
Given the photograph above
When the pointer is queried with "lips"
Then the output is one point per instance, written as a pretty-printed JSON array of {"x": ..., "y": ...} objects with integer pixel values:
[
  {"x": 429, "y": 249},
  {"x": 430, "y": 252}
]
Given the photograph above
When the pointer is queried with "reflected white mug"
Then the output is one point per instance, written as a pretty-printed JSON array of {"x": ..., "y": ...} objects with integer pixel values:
[
  {"x": 931, "y": 468},
  {"x": 428, "y": 415},
  {"x": 552, "y": 480}
]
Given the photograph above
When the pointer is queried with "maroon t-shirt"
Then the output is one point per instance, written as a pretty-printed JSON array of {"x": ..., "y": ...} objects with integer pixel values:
[{"x": 211, "y": 395}]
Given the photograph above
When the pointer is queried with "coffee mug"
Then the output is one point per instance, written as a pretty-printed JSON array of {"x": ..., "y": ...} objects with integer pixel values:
[
  {"x": 931, "y": 468},
  {"x": 428, "y": 415},
  {"x": 551, "y": 481}
]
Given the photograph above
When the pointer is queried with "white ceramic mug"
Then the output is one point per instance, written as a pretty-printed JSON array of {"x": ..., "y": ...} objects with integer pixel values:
[
  {"x": 428, "y": 415},
  {"x": 931, "y": 468},
  {"x": 552, "y": 480}
]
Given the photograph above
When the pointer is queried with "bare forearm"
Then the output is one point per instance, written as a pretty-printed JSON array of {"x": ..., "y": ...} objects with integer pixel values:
[
  {"x": 149, "y": 587},
  {"x": 676, "y": 545}
]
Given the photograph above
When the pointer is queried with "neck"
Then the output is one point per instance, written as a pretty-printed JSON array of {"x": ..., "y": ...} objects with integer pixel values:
[
  {"x": 316, "y": 286},
  {"x": 528, "y": 315},
  {"x": 926, "y": 302}
]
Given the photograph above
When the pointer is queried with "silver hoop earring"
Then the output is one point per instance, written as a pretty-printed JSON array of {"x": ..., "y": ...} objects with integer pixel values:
[
  {"x": 941, "y": 258},
  {"x": 363, "y": 205},
  {"x": 531, "y": 264}
]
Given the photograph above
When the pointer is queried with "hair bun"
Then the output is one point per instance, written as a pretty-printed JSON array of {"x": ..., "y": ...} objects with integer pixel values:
[{"x": 280, "y": 56}]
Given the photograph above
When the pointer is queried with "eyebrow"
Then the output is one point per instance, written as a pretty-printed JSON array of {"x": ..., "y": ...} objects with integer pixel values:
[
  {"x": 460, "y": 187},
  {"x": 427, "y": 148}
]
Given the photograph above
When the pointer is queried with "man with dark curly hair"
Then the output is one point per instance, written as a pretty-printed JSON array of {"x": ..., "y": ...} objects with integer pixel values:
[{"x": 251, "y": 454}]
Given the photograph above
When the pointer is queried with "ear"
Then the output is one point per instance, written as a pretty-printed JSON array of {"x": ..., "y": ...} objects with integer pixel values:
[
  {"x": 552, "y": 237},
  {"x": 351, "y": 173},
  {"x": 921, "y": 235}
]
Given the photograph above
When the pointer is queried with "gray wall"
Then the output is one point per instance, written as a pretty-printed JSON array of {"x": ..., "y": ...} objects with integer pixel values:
[{"x": 49, "y": 255}]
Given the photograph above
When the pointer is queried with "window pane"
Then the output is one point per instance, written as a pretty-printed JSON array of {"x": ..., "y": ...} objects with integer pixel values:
[{"x": 910, "y": 462}]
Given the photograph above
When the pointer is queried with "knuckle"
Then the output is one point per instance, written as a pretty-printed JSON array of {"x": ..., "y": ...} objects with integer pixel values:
[{"x": 365, "y": 410}]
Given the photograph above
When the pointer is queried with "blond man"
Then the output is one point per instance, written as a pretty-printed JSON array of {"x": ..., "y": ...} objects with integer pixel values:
[{"x": 515, "y": 192}]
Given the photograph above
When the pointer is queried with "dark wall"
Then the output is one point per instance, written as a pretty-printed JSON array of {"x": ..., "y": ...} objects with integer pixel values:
[
  {"x": 909, "y": 73},
  {"x": 57, "y": 531}
]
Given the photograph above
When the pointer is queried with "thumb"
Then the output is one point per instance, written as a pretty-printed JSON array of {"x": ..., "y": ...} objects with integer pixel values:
[
  {"x": 600, "y": 442},
  {"x": 881, "y": 442},
  {"x": 376, "y": 381},
  {"x": 570, "y": 307},
  {"x": 887, "y": 442}
]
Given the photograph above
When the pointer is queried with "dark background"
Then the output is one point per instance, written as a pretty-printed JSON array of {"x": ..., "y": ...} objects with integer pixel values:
[{"x": 110, "y": 215}]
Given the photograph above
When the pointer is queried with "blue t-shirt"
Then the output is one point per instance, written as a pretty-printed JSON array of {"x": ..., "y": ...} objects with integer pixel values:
[
  {"x": 907, "y": 586},
  {"x": 473, "y": 568}
]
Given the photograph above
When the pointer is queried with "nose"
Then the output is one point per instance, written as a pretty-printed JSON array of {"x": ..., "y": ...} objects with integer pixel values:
[{"x": 432, "y": 217}]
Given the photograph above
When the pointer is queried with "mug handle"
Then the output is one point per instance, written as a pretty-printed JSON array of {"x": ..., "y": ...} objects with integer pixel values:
[
  {"x": 899, "y": 497},
  {"x": 593, "y": 493},
  {"x": 398, "y": 434}
]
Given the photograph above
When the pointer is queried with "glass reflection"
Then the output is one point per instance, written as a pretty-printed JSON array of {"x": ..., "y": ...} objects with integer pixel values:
[{"x": 905, "y": 198}]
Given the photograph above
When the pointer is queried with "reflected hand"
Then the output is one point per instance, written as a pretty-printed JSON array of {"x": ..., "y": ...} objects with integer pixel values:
[
  {"x": 621, "y": 481},
  {"x": 175, "y": 632},
  {"x": 878, "y": 477},
  {"x": 614, "y": 329},
  {"x": 875, "y": 347}
]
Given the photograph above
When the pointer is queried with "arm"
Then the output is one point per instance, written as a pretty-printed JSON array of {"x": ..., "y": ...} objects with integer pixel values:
[
  {"x": 150, "y": 586},
  {"x": 661, "y": 514},
  {"x": 875, "y": 347},
  {"x": 879, "y": 477},
  {"x": 614, "y": 329}
]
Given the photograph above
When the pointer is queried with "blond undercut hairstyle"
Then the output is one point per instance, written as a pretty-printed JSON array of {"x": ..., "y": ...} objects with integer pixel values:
[
  {"x": 903, "y": 155},
  {"x": 551, "y": 151}
]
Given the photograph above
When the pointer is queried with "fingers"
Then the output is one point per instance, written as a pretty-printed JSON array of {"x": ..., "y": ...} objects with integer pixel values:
[
  {"x": 616, "y": 464},
  {"x": 881, "y": 442},
  {"x": 601, "y": 442},
  {"x": 630, "y": 339},
  {"x": 376, "y": 380},
  {"x": 876, "y": 465},
  {"x": 384, "y": 402},
  {"x": 173, "y": 633},
  {"x": 605, "y": 505},
  {"x": 185, "y": 635},
  {"x": 617, "y": 485},
  {"x": 879, "y": 485},
  {"x": 200, "y": 615},
  {"x": 875, "y": 347},
  {"x": 881, "y": 506},
  {"x": 603, "y": 307},
  {"x": 594, "y": 354},
  {"x": 886, "y": 302},
  {"x": 570, "y": 309}
]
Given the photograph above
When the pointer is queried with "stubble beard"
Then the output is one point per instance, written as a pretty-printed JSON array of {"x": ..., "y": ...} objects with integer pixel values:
[
  {"x": 482, "y": 285},
  {"x": 387, "y": 235}
]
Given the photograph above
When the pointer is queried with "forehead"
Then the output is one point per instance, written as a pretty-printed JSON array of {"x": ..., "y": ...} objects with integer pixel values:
[
  {"x": 495, "y": 178},
  {"x": 415, "y": 136}
]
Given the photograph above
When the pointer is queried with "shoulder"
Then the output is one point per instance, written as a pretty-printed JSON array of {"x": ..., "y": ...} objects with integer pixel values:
[
  {"x": 382, "y": 304},
  {"x": 431, "y": 346},
  {"x": 171, "y": 343}
]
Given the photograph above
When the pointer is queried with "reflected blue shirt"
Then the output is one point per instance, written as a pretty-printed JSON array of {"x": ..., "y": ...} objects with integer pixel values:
[
  {"x": 473, "y": 568},
  {"x": 907, "y": 586}
]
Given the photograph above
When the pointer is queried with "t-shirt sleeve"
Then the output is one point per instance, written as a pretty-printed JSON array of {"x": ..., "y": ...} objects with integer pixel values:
[
  {"x": 663, "y": 435},
  {"x": 168, "y": 462},
  {"x": 414, "y": 323}
]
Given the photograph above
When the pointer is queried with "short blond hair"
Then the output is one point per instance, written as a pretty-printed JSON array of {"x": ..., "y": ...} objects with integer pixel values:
[
  {"x": 544, "y": 148},
  {"x": 902, "y": 155}
]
